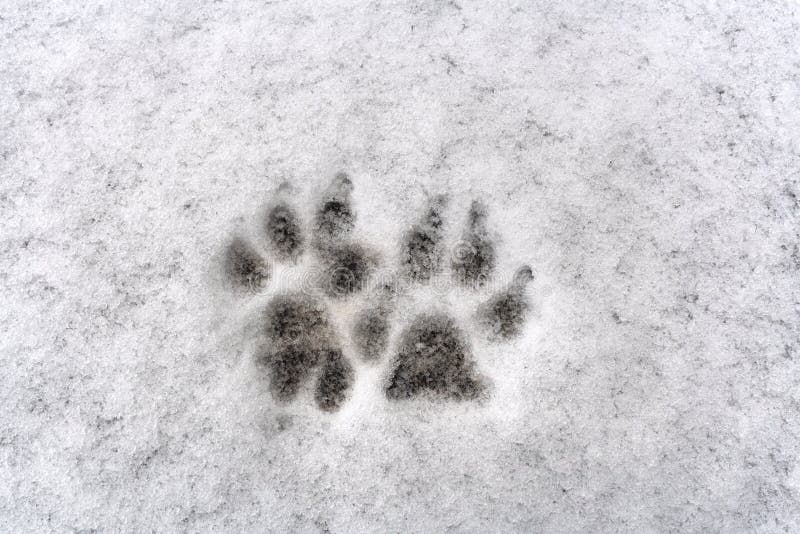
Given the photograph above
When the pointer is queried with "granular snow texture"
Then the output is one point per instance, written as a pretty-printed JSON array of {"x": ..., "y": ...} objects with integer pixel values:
[{"x": 641, "y": 158}]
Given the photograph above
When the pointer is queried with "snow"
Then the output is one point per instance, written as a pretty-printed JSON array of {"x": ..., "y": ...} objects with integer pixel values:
[{"x": 642, "y": 158}]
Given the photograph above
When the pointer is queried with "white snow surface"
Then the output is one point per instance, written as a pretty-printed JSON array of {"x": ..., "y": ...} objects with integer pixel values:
[{"x": 642, "y": 157}]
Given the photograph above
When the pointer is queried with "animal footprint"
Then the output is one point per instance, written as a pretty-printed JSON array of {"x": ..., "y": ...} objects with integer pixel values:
[{"x": 432, "y": 356}]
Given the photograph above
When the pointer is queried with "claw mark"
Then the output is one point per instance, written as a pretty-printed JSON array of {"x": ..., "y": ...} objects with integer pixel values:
[
  {"x": 335, "y": 217},
  {"x": 504, "y": 314},
  {"x": 434, "y": 358},
  {"x": 283, "y": 232},
  {"x": 347, "y": 266},
  {"x": 472, "y": 264},
  {"x": 244, "y": 266},
  {"x": 421, "y": 249}
]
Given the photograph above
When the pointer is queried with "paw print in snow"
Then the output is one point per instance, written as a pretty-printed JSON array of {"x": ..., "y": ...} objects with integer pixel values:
[{"x": 432, "y": 357}]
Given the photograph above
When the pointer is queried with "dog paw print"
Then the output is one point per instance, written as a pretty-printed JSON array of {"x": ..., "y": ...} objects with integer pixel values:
[{"x": 427, "y": 355}]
